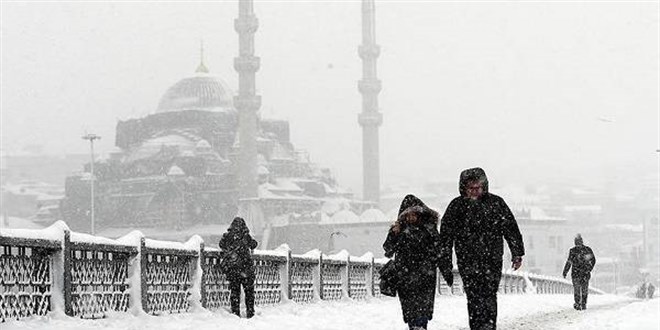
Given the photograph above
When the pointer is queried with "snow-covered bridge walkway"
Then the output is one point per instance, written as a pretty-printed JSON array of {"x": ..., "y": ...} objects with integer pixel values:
[{"x": 528, "y": 311}]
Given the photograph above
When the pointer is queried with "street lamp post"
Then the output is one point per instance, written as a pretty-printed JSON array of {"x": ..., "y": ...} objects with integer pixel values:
[{"x": 91, "y": 137}]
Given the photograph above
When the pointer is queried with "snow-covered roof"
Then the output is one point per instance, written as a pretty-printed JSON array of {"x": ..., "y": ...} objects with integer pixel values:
[
  {"x": 373, "y": 215},
  {"x": 266, "y": 193},
  {"x": 154, "y": 145},
  {"x": 344, "y": 216},
  {"x": 285, "y": 184}
]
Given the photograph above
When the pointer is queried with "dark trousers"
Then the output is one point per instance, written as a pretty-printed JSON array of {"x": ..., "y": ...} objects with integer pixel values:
[
  {"x": 580, "y": 291},
  {"x": 481, "y": 293},
  {"x": 235, "y": 284}
]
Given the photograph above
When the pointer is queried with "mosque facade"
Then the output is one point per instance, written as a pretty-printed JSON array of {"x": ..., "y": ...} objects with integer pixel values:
[
  {"x": 205, "y": 155},
  {"x": 178, "y": 168}
]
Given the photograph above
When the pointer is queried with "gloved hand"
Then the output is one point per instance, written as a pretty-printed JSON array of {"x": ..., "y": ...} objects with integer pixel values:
[{"x": 516, "y": 263}]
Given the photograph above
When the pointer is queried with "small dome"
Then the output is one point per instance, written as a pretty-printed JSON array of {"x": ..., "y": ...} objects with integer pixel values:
[
  {"x": 203, "y": 145},
  {"x": 175, "y": 171},
  {"x": 200, "y": 92}
]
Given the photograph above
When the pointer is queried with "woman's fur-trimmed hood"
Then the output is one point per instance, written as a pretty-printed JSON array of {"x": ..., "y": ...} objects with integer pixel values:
[{"x": 412, "y": 204}]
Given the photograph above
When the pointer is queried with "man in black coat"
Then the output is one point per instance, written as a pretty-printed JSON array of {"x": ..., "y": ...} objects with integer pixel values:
[
  {"x": 474, "y": 224},
  {"x": 582, "y": 259},
  {"x": 237, "y": 246},
  {"x": 414, "y": 241}
]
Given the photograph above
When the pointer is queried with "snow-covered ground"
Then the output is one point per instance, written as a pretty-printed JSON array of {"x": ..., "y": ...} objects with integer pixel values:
[{"x": 515, "y": 312}]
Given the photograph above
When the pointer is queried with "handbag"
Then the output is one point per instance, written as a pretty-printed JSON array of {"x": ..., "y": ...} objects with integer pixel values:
[{"x": 389, "y": 279}]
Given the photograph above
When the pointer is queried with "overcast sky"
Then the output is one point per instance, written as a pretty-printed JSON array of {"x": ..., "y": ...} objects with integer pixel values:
[{"x": 528, "y": 90}]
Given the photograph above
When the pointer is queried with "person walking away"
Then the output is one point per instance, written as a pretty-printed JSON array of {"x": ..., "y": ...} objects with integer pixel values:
[
  {"x": 474, "y": 224},
  {"x": 582, "y": 260},
  {"x": 413, "y": 240},
  {"x": 237, "y": 246},
  {"x": 650, "y": 290}
]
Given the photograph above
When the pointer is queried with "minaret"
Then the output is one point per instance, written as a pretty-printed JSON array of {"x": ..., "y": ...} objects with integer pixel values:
[
  {"x": 247, "y": 102},
  {"x": 370, "y": 119}
]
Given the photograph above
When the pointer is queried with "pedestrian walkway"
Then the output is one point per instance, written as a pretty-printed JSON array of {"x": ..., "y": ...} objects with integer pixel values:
[{"x": 515, "y": 312}]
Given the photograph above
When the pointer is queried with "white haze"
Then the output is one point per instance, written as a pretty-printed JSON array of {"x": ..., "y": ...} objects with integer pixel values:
[{"x": 532, "y": 92}]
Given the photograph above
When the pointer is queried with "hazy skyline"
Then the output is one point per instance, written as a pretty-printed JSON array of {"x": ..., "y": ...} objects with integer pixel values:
[{"x": 526, "y": 90}]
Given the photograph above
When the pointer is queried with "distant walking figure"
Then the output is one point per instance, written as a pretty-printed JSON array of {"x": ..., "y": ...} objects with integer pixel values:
[
  {"x": 474, "y": 224},
  {"x": 237, "y": 246},
  {"x": 650, "y": 289},
  {"x": 414, "y": 242},
  {"x": 582, "y": 259}
]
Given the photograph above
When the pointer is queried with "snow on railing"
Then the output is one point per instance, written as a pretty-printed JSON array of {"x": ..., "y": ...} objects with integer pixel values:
[{"x": 54, "y": 270}]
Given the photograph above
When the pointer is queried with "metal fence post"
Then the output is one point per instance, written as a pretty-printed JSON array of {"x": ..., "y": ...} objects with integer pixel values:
[
  {"x": 285, "y": 277},
  {"x": 143, "y": 276},
  {"x": 345, "y": 279},
  {"x": 202, "y": 286},
  {"x": 370, "y": 279},
  {"x": 66, "y": 254},
  {"x": 321, "y": 276},
  {"x": 318, "y": 282}
]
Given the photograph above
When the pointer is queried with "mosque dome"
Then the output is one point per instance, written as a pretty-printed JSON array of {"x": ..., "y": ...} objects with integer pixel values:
[{"x": 202, "y": 91}]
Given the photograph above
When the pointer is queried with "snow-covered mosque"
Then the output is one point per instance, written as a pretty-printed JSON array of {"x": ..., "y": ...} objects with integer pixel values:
[
  {"x": 177, "y": 168},
  {"x": 204, "y": 155}
]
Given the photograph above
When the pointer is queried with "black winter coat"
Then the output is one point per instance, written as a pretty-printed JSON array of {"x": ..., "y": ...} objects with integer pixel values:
[
  {"x": 476, "y": 228},
  {"x": 416, "y": 248},
  {"x": 582, "y": 260},
  {"x": 238, "y": 239}
]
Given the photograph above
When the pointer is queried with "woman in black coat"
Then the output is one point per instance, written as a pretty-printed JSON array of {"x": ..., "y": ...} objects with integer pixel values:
[
  {"x": 414, "y": 242},
  {"x": 237, "y": 246}
]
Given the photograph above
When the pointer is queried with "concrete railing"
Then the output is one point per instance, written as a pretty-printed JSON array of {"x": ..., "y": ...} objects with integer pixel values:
[{"x": 57, "y": 271}]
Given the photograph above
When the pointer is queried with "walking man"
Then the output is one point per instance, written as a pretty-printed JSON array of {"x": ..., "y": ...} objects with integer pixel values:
[
  {"x": 237, "y": 245},
  {"x": 474, "y": 224},
  {"x": 582, "y": 259}
]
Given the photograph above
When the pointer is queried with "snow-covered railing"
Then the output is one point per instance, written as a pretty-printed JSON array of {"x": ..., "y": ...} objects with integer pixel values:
[
  {"x": 25, "y": 276},
  {"x": 166, "y": 272},
  {"x": 55, "y": 270},
  {"x": 95, "y": 275}
]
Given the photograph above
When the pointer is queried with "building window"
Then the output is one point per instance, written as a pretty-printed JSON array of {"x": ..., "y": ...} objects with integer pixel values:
[
  {"x": 530, "y": 242},
  {"x": 552, "y": 242}
]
